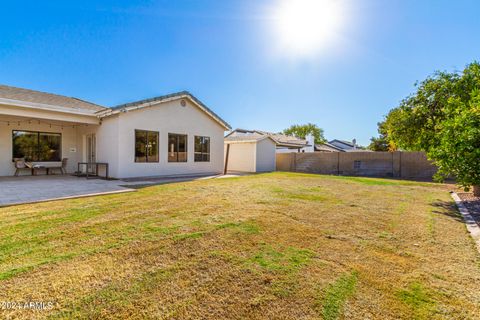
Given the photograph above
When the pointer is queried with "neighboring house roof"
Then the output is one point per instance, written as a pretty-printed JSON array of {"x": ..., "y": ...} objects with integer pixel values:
[
  {"x": 327, "y": 147},
  {"x": 251, "y": 138},
  {"x": 31, "y": 98},
  {"x": 347, "y": 143},
  {"x": 169, "y": 97},
  {"x": 280, "y": 140}
]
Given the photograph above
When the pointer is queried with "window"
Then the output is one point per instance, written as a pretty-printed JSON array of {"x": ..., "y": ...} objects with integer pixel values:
[
  {"x": 177, "y": 147},
  {"x": 202, "y": 149},
  {"x": 146, "y": 146},
  {"x": 357, "y": 164},
  {"x": 37, "y": 146}
]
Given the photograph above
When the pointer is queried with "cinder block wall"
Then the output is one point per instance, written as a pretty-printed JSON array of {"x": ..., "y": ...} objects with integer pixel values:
[{"x": 412, "y": 165}]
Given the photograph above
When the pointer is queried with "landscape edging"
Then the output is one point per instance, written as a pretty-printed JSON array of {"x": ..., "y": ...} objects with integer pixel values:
[{"x": 470, "y": 222}]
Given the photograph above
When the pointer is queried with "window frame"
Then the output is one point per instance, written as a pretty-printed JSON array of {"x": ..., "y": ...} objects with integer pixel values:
[
  {"x": 177, "y": 145},
  {"x": 202, "y": 153},
  {"x": 146, "y": 148},
  {"x": 38, "y": 133}
]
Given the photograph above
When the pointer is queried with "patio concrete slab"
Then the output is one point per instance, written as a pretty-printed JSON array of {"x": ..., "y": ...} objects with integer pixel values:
[{"x": 29, "y": 189}]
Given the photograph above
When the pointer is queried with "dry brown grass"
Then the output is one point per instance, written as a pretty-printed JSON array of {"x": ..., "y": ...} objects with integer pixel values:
[{"x": 278, "y": 245}]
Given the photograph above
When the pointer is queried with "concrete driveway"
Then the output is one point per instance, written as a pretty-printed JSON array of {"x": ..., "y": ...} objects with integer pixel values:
[{"x": 28, "y": 189}]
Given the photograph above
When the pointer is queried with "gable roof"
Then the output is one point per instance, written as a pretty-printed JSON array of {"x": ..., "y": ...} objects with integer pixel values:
[
  {"x": 32, "y": 98},
  {"x": 169, "y": 97},
  {"x": 280, "y": 140}
]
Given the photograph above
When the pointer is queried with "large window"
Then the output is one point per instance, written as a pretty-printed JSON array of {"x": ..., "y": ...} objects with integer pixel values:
[
  {"x": 202, "y": 149},
  {"x": 146, "y": 146},
  {"x": 37, "y": 146},
  {"x": 177, "y": 147}
]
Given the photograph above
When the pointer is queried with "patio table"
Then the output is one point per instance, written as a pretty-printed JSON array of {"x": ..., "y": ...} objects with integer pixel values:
[{"x": 97, "y": 165}]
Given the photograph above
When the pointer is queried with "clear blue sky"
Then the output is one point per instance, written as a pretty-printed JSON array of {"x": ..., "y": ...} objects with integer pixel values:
[{"x": 112, "y": 52}]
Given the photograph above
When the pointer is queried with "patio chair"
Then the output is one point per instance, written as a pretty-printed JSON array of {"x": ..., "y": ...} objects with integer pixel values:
[{"x": 20, "y": 165}]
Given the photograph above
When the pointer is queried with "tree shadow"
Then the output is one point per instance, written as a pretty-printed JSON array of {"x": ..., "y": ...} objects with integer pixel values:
[{"x": 447, "y": 208}]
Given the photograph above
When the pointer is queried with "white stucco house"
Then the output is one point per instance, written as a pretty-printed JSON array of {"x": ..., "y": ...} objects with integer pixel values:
[
  {"x": 169, "y": 135},
  {"x": 255, "y": 150}
]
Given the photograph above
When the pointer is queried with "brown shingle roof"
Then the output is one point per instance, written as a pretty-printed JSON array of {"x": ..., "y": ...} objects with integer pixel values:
[
  {"x": 249, "y": 137},
  {"x": 55, "y": 100}
]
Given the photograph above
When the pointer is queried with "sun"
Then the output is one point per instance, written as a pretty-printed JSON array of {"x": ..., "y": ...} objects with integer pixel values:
[{"x": 304, "y": 27}]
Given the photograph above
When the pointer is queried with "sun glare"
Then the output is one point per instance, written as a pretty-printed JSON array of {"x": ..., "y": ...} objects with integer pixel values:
[{"x": 304, "y": 27}]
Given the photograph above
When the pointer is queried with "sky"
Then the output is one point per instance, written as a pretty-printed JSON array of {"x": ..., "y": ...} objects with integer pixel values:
[{"x": 234, "y": 57}]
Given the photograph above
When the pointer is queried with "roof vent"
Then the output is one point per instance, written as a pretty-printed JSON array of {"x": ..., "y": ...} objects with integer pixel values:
[{"x": 183, "y": 103}]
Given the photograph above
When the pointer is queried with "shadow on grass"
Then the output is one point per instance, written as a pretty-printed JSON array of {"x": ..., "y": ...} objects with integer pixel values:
[{"x": 447, "y": 208}]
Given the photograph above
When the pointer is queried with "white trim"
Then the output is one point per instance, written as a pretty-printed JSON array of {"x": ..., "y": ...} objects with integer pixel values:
[
  {"x": 470, "y": 222},
  {"x": 47, "y": 107}
]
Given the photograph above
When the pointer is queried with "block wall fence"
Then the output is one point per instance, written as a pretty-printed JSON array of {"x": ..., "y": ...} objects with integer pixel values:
[{"x": 399, "y": 164}]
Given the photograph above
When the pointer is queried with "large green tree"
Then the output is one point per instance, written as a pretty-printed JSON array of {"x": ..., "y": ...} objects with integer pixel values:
[
  {"x": 442, "y": 118},
  {"x": 302, "y": 131},
  {"x": 381, "y": 143}
]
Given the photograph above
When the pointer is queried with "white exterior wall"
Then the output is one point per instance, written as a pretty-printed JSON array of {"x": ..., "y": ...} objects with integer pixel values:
[
  {"x": 69, "y": 144},
  {"x": 106, "y": 144},
  {"x": 116, "y": 140},
  {"x": 241, "y": 157},
  {"x": 265, "y": 155}
]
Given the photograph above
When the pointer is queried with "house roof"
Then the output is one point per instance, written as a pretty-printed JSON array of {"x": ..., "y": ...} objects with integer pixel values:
[
  {"x": 345, "y": 142},
  {"x": 280, "y": 140},
  {"x": 327, "y": 147},
  {"x": 18, "y": 96},
  {"x": 173, "y": 96},
  {"x": 255, "y": 137}
]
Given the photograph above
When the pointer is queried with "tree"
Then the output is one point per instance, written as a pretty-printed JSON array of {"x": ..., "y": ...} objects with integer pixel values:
[
  {"x": 443, "y": 119},
  {"x": 378, "y": 144},
  {"x": 381, "y": 143},
  {"x": 301, "y": 131},
  {"x": 458, "y": 151}
]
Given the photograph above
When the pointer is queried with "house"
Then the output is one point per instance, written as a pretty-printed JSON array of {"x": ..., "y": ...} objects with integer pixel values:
[
  {"x": 255, "y": 150},
  {"x": 169, "y": 135}
]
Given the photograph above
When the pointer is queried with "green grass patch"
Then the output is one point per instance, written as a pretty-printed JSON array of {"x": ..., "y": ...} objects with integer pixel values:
[
  {"x": 337, "y": 294},
  {"x": 249, "y": 227},
  {"x": 306, "y": 196},
  {"x": 192, "y": 235},
  {"x": 418, "y": 299},
  {"x": 371, "y": 181},
  {"x": 287, "y": 260}
]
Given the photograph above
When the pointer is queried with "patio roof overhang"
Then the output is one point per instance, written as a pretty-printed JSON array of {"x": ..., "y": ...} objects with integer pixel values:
[{"x": 45, "y": 112}]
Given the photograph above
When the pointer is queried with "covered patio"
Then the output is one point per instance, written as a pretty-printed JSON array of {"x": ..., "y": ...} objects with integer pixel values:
[{"x": 42, "y": 129}]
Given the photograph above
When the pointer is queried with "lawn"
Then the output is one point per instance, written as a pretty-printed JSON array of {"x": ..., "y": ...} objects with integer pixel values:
[{"x": 279, "y": 245}]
